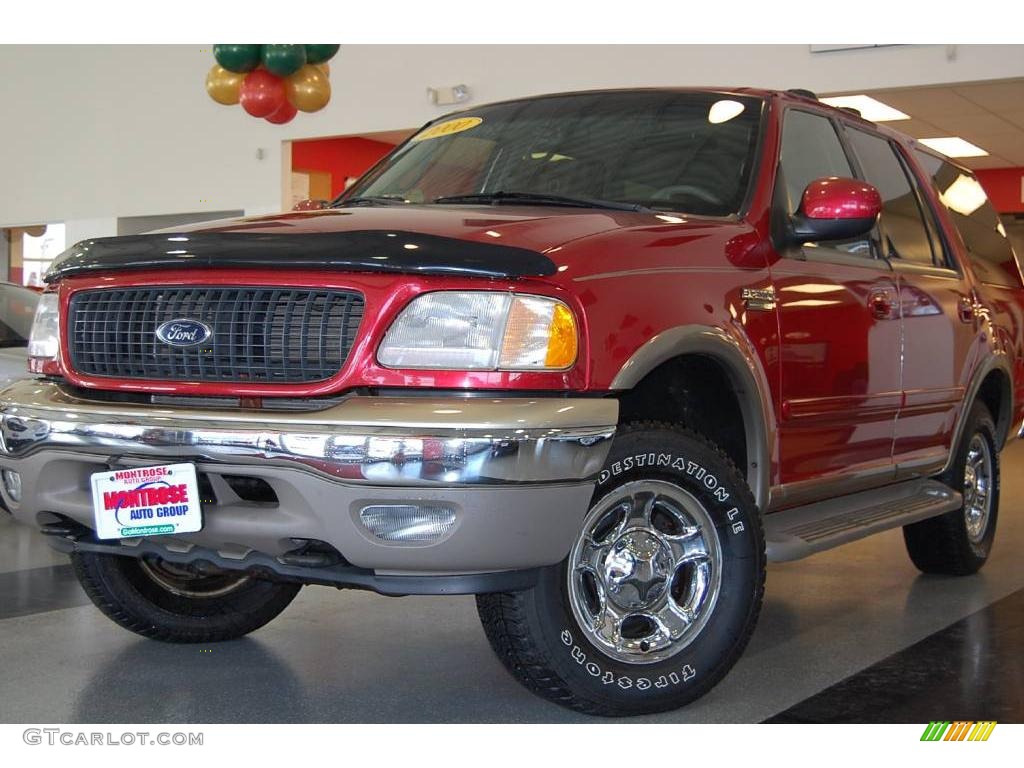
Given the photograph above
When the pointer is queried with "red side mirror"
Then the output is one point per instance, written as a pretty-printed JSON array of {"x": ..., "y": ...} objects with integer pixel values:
[
  {"x": 835, "y": 198},
  {"x": 311, "y": 205},
  {"x": 836, "y": 209}
]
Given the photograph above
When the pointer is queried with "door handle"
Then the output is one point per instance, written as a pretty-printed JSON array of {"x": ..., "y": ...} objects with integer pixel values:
[
  {"x": 880, "y": 303},
  {"x": 965, "y": 309}
]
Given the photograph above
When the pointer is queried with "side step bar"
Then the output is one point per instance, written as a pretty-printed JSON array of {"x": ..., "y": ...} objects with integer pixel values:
[{"x": 795, "y": 533}]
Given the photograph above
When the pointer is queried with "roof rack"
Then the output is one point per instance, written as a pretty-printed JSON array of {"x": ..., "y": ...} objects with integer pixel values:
[{"x": 802, "y": 92}]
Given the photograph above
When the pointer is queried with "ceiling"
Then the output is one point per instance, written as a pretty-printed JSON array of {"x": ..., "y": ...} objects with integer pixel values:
[{"x": 989, "y": 115}]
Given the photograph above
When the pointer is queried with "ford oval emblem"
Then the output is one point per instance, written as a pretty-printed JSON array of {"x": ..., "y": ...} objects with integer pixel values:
[{"x": 183, "y": 332}]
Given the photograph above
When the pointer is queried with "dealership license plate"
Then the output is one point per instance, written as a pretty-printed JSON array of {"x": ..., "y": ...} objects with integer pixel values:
[{"x": 146, "y": 501}]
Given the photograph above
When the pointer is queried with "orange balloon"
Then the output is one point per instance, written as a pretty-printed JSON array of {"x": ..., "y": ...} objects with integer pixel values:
[
  {"x": 223, "y": 86},
  {"x": 324, "y": 67},
  {"x": 308, "y": 89}
]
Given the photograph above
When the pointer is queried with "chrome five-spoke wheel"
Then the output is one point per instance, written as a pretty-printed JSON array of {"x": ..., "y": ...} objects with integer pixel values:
[
  {"x": 978, "y": 476},
  {"x": 959, "y": 542},
  {"x": 661, "y": 588},
  {"x": 645, "y": 573}
]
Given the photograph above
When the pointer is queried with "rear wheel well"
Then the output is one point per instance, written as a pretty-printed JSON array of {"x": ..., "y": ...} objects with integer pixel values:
[{"x": 696, "y": 391}]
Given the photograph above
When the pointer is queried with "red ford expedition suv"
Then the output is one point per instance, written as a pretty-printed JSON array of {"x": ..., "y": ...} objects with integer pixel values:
[{"x": 595, "y": 358}]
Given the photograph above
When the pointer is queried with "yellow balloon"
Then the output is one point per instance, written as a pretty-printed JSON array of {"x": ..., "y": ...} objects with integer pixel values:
[
  {"x": 324, "y": 67},
  {"x": 223, "y": 86},
  {"x": 308, "y": 89}
]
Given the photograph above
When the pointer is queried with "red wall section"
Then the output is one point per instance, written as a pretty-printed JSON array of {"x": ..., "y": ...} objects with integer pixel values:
[
  {"x": 342, "y": 158},
  {"x": 1004, "y": 187}
]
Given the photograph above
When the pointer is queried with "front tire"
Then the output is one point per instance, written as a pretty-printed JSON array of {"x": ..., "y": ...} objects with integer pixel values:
[
  {"x": 162, "y": 601},
  {"x": 959, "y": 542},
  {"x": 660, "y": 593}
]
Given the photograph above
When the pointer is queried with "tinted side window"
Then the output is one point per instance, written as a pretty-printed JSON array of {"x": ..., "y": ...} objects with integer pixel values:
[
  {"x": 939, "y": 246},
  {"x": 903, "y": 230},
  {"x": 811, "y": 150},
  {"x": 975, "y": 218}
]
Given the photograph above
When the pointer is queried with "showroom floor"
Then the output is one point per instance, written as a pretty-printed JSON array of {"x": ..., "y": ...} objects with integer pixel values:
[{"x": 853, "y": 635}]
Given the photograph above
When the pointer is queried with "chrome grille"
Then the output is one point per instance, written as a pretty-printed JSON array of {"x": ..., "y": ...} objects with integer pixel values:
[{"x": 269, "y": 335}]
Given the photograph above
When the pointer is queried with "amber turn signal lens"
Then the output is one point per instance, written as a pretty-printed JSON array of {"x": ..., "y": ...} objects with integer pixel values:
[
  {"x": 561, "y": 339},
  {"x": 540, "y": 334}
]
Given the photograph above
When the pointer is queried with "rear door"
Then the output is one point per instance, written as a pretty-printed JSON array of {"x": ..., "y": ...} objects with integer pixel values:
[
  {"x": 936, "y": 302},
  {"x": 839, "y": 328},
  {"x": 997, "y": 322}
]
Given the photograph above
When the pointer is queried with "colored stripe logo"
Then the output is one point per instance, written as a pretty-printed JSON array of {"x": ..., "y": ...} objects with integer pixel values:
[{"x": 961, "y": 730}]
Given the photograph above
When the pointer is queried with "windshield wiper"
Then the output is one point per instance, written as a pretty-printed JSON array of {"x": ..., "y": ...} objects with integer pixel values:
[
  {"x": 538, "y": 198},
  {"x": 372, "y": 200}
]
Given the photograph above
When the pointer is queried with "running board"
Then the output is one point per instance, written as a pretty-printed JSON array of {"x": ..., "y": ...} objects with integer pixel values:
[{"x": 795, "y": 533}]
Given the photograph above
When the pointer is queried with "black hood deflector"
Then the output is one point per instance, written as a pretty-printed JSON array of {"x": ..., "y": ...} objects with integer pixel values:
[{"x": 362, "y": 251}]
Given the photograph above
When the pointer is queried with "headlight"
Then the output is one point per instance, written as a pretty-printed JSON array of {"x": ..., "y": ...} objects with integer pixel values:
[
  {"x": 44, "y": 341},
  {"x": 481, "y": 331}
]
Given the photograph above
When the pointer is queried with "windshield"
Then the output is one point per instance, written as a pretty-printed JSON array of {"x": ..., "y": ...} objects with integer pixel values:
[
  {"x": 17, "y": 310},
  {"x": 690, "y": 152}
]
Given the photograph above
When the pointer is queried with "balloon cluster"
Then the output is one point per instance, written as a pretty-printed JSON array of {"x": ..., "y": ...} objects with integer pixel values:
[{"x": 274, "y": 82}]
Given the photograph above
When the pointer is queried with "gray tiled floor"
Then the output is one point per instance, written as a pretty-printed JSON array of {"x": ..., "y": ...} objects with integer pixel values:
[{"x": 351, "y": 656}]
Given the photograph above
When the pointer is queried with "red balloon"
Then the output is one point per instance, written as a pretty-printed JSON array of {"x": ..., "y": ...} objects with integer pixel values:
[
  {"x": 262, "y": 93},
  {"x": 284, "y": 114}
]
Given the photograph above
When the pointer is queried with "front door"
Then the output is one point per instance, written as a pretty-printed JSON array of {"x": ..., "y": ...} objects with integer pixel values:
[{"x": 839, "y": 327}]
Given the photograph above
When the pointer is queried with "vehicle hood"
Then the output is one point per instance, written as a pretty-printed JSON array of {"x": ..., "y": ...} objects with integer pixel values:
[{"x": 478, "y": 240}]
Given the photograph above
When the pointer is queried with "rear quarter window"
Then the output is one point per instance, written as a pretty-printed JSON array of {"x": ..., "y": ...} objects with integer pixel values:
[{"x": 977, "y": 221}]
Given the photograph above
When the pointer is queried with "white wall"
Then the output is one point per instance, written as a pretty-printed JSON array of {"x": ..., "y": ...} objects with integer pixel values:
[
  {"x": 81, "y": 229},
  {"x": 89, "y": 133}
]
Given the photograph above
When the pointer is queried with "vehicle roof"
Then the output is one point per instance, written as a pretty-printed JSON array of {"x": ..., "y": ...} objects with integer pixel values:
[{"x": 757, "y": 92}]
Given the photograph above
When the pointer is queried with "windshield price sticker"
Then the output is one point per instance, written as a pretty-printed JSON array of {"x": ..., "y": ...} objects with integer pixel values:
[
  {"x": 447, "y": 128},
  {"x": 146, "y": 501}
]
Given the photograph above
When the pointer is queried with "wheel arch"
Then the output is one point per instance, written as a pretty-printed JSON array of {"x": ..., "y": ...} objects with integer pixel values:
[
  {"x": 992, "y": 384},
  {"x": 746, "y": 379}
]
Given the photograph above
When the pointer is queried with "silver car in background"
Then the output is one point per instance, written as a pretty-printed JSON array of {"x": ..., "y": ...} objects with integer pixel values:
[{"x": 17, "y": 308}]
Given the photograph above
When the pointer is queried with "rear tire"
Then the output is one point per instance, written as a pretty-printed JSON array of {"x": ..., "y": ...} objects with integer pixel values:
[
  {"x": 658, "y": 596},
  {"x": 166, "y": 602},
  {"x": 959, "y": 542}
]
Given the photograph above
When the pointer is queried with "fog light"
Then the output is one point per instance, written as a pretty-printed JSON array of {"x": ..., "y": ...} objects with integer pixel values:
[
  {"x": 12, "y": 484},
  {"x": 408, "y": 522}
]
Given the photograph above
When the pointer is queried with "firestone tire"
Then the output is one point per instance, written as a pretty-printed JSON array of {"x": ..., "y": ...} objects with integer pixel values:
[
  {"x": 556, "y": 638},
  {"x": 158, "y": 601},
  {"x": 959, "y": 542}
]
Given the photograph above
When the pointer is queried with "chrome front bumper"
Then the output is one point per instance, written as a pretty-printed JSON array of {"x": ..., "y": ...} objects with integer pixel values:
[
  {"x": 519, "y": 471},
  {"x": 376, "y": 440}
]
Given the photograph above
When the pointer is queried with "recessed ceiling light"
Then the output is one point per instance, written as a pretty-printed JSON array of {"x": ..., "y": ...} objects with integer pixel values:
[
  {"x": 954, "y": 146},
  {"x": 869, "y": 108}
]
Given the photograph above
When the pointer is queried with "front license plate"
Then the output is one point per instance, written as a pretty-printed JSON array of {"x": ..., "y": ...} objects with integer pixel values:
[{"x": 146, "y": 501}]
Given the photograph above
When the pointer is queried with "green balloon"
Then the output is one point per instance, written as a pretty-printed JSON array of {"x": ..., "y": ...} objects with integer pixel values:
[
  {"x": 284, "y": 60},
  {"x": 318, "y": 53},
  {"x": 237, "y": 58}
]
